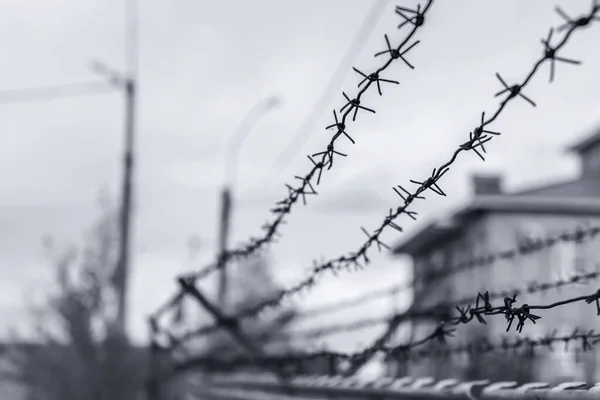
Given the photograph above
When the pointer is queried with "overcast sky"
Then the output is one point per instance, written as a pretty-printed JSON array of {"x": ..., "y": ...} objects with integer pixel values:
[{"x": 203, "y": 65}]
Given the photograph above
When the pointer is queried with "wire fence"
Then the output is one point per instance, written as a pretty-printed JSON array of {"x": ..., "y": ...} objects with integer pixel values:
[
  {"x": 475, "y": 308},
  {"x": 578, "y": 235}
]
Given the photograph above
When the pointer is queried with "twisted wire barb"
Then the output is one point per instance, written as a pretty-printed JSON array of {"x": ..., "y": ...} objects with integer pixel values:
[
  {"x": 306, "y": 187},
  {"x": 477, "y": 139}
]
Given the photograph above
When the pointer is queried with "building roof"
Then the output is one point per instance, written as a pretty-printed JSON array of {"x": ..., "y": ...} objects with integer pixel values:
[
  {"x": 590, "y": 141},
  {"x": 576, "y": 197},
  {"x": 519, "y": 203},
  {"x": 579, "y": 188}
]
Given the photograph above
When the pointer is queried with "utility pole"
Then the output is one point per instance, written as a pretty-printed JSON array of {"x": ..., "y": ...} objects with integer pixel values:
[
  {"x": 70, "y": 90},
  {"x": 231, "y": 160},
  {"x": 130, "y": 86},
  {"x": 128, "y": 83},
  {"x": 121, "y": 276},
  {"x": 126, "y": 203}
]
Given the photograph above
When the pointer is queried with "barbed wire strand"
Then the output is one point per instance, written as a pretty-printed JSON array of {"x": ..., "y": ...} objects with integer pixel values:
[
  {"x": 352, "y": 302},
  {"x": 436, "y": 309},
  {"x": 284, "y": 207},
  {"x": 393, "y": 321},
  {"x": 483, "y": 345},
  {"x": 577, "y": 235},
  {"x": 307, "y": 128}
]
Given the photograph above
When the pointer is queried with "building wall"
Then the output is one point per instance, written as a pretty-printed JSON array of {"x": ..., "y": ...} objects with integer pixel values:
[
  {"x": 549, "y": 265},
  {"x": 449, "y": 254},
  {"x": 495, "y": 232},
  {"x": 590, "y": 161}
]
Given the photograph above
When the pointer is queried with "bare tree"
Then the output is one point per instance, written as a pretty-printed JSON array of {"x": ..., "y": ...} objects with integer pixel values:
[{"x": 78, "y": 353}]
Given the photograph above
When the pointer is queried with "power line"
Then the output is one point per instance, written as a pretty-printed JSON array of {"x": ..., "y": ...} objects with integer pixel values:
[
  {"x": 43, "y": 93},
  {"x": 308, "y": 127},
  {"x": 132, "y": 38}
]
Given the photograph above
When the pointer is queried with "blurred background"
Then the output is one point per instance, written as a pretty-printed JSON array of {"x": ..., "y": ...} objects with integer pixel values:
[{"x": 232, "y": 95}]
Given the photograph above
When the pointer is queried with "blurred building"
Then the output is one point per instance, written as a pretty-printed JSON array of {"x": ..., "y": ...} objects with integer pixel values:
[{"x": 497, "y": 220}]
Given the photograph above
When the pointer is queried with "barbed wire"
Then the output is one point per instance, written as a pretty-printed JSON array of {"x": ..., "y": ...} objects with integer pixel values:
[
  {"x": 432, "y": 311},
  {"x": 441, "y": 333},
  {"x": 436, "y": 309},
  {"x": 530, "y": 345},
  {"x": 477, "y": 139},
  {"x": 530, "y": 288},
  {"x": 408, "y": 353},
  {"x": 467, "y": 314},
  {"x": 284, "y": 207},
  {"x": 578, "y": 235},
  {"x": 352, "y": 302}
]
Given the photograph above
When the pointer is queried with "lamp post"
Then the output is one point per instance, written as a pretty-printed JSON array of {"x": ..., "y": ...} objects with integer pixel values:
[{"x": 234, "y": 145}]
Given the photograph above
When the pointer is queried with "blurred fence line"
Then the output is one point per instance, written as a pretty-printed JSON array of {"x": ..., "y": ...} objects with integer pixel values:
[{"x": 265, "y": 386}]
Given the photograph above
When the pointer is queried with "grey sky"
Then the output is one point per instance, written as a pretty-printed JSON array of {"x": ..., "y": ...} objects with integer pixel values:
[{"x": 204, "y": 64}]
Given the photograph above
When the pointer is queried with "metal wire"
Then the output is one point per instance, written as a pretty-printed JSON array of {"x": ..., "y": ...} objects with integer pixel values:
[
  {"x": 578, "y": 235},
  {"x": 483, "y": 308},
  {"x": 478, "y": 137},
  {"x": 326, "y": 157},
  {"x": 439, "y": 308},
  {"x": 586, "y": 340}
]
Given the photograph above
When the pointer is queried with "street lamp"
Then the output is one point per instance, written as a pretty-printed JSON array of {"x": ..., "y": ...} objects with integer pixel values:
[
  {"x": 234, "y": 145},
  {"x": 235, "y": 142}
]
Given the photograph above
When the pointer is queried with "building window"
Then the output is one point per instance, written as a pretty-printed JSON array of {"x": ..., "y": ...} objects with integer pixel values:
[
  {"x": 566, "y": 261},
  {"x": 530, "y": 233},
  {"x": 591, "y": 163},
  {"x": 437, "y": 260},
  {"x": 433, "y": 263},
  {"x": 566, "y": 361}
]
